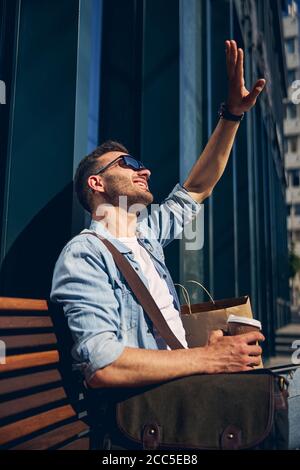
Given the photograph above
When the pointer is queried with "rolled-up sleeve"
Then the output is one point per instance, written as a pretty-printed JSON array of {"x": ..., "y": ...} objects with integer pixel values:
[
  {"x": 82, "y": 285},
  {"x": 168, "y": 220}
]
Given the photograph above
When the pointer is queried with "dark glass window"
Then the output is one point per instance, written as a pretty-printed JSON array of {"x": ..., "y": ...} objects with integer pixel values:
[
  {"x": 297, "y": 235},
  {"x": 291, "y": 76},
  {"x": 294, "y": 179},
  {"x": 290, "y": 45},
  {"x": 293, "y": 144},
  {"x": 291, "y": 111}
]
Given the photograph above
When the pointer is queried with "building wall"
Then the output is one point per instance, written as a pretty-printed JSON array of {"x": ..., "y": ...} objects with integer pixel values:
[
  {"x": 292, "y": 147},
  {"x": 155, "y": 83},
  {"x": 245, "y": 248},
  {"x": 48, "y": 129}
]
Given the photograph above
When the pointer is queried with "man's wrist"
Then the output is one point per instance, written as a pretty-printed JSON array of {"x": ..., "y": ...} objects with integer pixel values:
[
  {"x": 235, "y": 111},
  {"x": 200, "y": 359},
  {"x": 225, "y": 112}
]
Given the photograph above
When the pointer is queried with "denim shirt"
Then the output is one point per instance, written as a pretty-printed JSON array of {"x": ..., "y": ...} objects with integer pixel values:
[{"x": 101, "y": 311}]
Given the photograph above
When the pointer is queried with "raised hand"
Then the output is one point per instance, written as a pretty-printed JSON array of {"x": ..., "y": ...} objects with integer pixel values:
[{"x": 239, "y": 99}]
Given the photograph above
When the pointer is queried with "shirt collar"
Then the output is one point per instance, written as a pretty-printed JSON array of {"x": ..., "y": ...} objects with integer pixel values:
[{"x": 99, "y": 228}]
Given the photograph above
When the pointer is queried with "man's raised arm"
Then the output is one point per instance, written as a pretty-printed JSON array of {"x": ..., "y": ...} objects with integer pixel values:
[{"x": 211, "y": 164}]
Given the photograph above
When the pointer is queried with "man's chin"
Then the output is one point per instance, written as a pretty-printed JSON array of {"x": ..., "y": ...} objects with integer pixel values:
[
  {"x": 145, "y": 198},
  {"x": 127, "y": 197}
]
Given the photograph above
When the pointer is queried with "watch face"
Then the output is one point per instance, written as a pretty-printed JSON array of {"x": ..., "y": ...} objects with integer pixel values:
[{"x": 221, "y": 109}]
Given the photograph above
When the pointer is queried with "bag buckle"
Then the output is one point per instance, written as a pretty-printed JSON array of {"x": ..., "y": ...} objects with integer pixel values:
[
  {"x": 151, "y": 436},
  {"x": 283, "y": 383}
]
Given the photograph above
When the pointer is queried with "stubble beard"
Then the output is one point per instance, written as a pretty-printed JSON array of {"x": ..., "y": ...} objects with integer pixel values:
[{"x": 116, "y": 187}]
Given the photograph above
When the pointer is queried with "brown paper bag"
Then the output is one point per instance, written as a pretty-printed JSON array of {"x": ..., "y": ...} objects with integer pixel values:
[
  {"x": 208, "y": 316},
  {"x": 202, "y": 318}
]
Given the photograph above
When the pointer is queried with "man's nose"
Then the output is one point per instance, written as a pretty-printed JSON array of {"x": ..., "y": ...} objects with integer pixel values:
[{"x": 144, "y": 172}]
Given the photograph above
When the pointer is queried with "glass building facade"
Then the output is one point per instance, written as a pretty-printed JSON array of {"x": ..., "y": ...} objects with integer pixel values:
[{"x": 150, "y": 74}]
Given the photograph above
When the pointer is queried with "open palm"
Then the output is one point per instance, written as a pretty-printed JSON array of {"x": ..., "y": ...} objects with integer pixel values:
[{"x": 239, "y": 99}]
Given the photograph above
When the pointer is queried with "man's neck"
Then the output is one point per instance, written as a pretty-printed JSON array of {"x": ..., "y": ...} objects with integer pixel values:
[{"x": 116, "y": 220}]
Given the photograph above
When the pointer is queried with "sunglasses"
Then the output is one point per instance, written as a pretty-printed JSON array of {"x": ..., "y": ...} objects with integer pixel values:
[{"x": 126, "y": 161}]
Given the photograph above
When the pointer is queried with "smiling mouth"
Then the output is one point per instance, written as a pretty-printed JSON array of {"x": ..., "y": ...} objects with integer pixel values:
[{"x": 141, "y": 184}]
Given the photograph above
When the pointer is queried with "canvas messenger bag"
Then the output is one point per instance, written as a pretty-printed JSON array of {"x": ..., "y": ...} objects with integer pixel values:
[{"x": 246, "y": 410}]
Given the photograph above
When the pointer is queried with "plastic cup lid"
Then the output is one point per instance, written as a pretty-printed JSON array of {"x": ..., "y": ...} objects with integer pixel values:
[{"x": 244, "y": 320}]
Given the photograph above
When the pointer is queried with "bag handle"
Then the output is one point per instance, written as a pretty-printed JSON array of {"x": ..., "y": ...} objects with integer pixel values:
[
  {"x": 141, "y": 293},
  {"x": 188, "y": 301},
  {"x": 199, "y": 284},
  {"x": 187, "y": 296}
]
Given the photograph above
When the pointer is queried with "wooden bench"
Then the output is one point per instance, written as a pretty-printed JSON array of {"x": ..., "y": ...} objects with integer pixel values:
[{"x": 41, "y": 402}]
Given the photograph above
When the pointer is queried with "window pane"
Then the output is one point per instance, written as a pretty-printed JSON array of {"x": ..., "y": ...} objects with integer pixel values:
[
  {"x": 293, "y": 144},
  {"x": 297, "y": 209},
  {"x": 297, "y": 235},
  {"x": 291, "y": 76},
  {"x": 291, "y": 111},
  {"x": 290, "y": 45},
  {"x": 294, "y": 179}
]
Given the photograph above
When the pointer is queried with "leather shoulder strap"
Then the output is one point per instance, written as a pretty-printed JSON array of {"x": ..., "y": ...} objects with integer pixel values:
[{"x": 141, "y": 293}]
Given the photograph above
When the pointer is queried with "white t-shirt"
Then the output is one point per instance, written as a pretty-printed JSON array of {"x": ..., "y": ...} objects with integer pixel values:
[{"x": 159, "y": 290}]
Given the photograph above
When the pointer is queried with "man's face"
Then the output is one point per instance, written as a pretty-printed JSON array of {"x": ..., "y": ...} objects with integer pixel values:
[{"x": 119, "y": 180}]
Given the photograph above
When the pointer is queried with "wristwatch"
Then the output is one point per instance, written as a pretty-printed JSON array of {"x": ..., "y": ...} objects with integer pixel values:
[{"x": 225, "y": 114}]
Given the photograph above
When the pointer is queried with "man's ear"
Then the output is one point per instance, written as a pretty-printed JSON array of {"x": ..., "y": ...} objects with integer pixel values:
[{"x": 95, "y": 182}]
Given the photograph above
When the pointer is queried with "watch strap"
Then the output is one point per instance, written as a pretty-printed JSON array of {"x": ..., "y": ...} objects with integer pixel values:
[{"x": 224, "y": 113}]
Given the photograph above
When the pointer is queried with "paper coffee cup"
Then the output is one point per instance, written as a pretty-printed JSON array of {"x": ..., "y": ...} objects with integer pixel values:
[{"x": 241, "y": 325}]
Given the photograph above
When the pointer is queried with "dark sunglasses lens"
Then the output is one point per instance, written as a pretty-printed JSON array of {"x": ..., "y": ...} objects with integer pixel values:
[{"x": 133, "y": 163}]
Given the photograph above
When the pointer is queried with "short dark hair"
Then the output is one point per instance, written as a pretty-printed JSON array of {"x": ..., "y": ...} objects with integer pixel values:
[{"x": 88, "y": 166}]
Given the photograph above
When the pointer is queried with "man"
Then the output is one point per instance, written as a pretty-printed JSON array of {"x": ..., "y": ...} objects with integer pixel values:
[{"x": 115, "y": 344}]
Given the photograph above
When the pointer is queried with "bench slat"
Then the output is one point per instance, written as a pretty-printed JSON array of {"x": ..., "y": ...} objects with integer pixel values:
[
  {"x": 27, "y": 316},
  {"x": 23, "y": 361},
  {"x": 12, "y": 322},
  {"x": 54, "y": 437},
  {"x": 24, "y": 382},
  {"x": 82, "y": 443},
  {"x": 27, "y": 341},
  {"x": 27, "y": 426},
  {"x": 29, "y": 402},
  {"x": 11, "y": 303}
]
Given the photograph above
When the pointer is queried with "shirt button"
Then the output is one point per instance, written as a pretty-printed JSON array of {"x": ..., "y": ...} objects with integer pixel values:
[
  {"x": 136, "y": 268},
  {"x": 164, "y": 276},
  {"x": 150, "y": 248}
]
